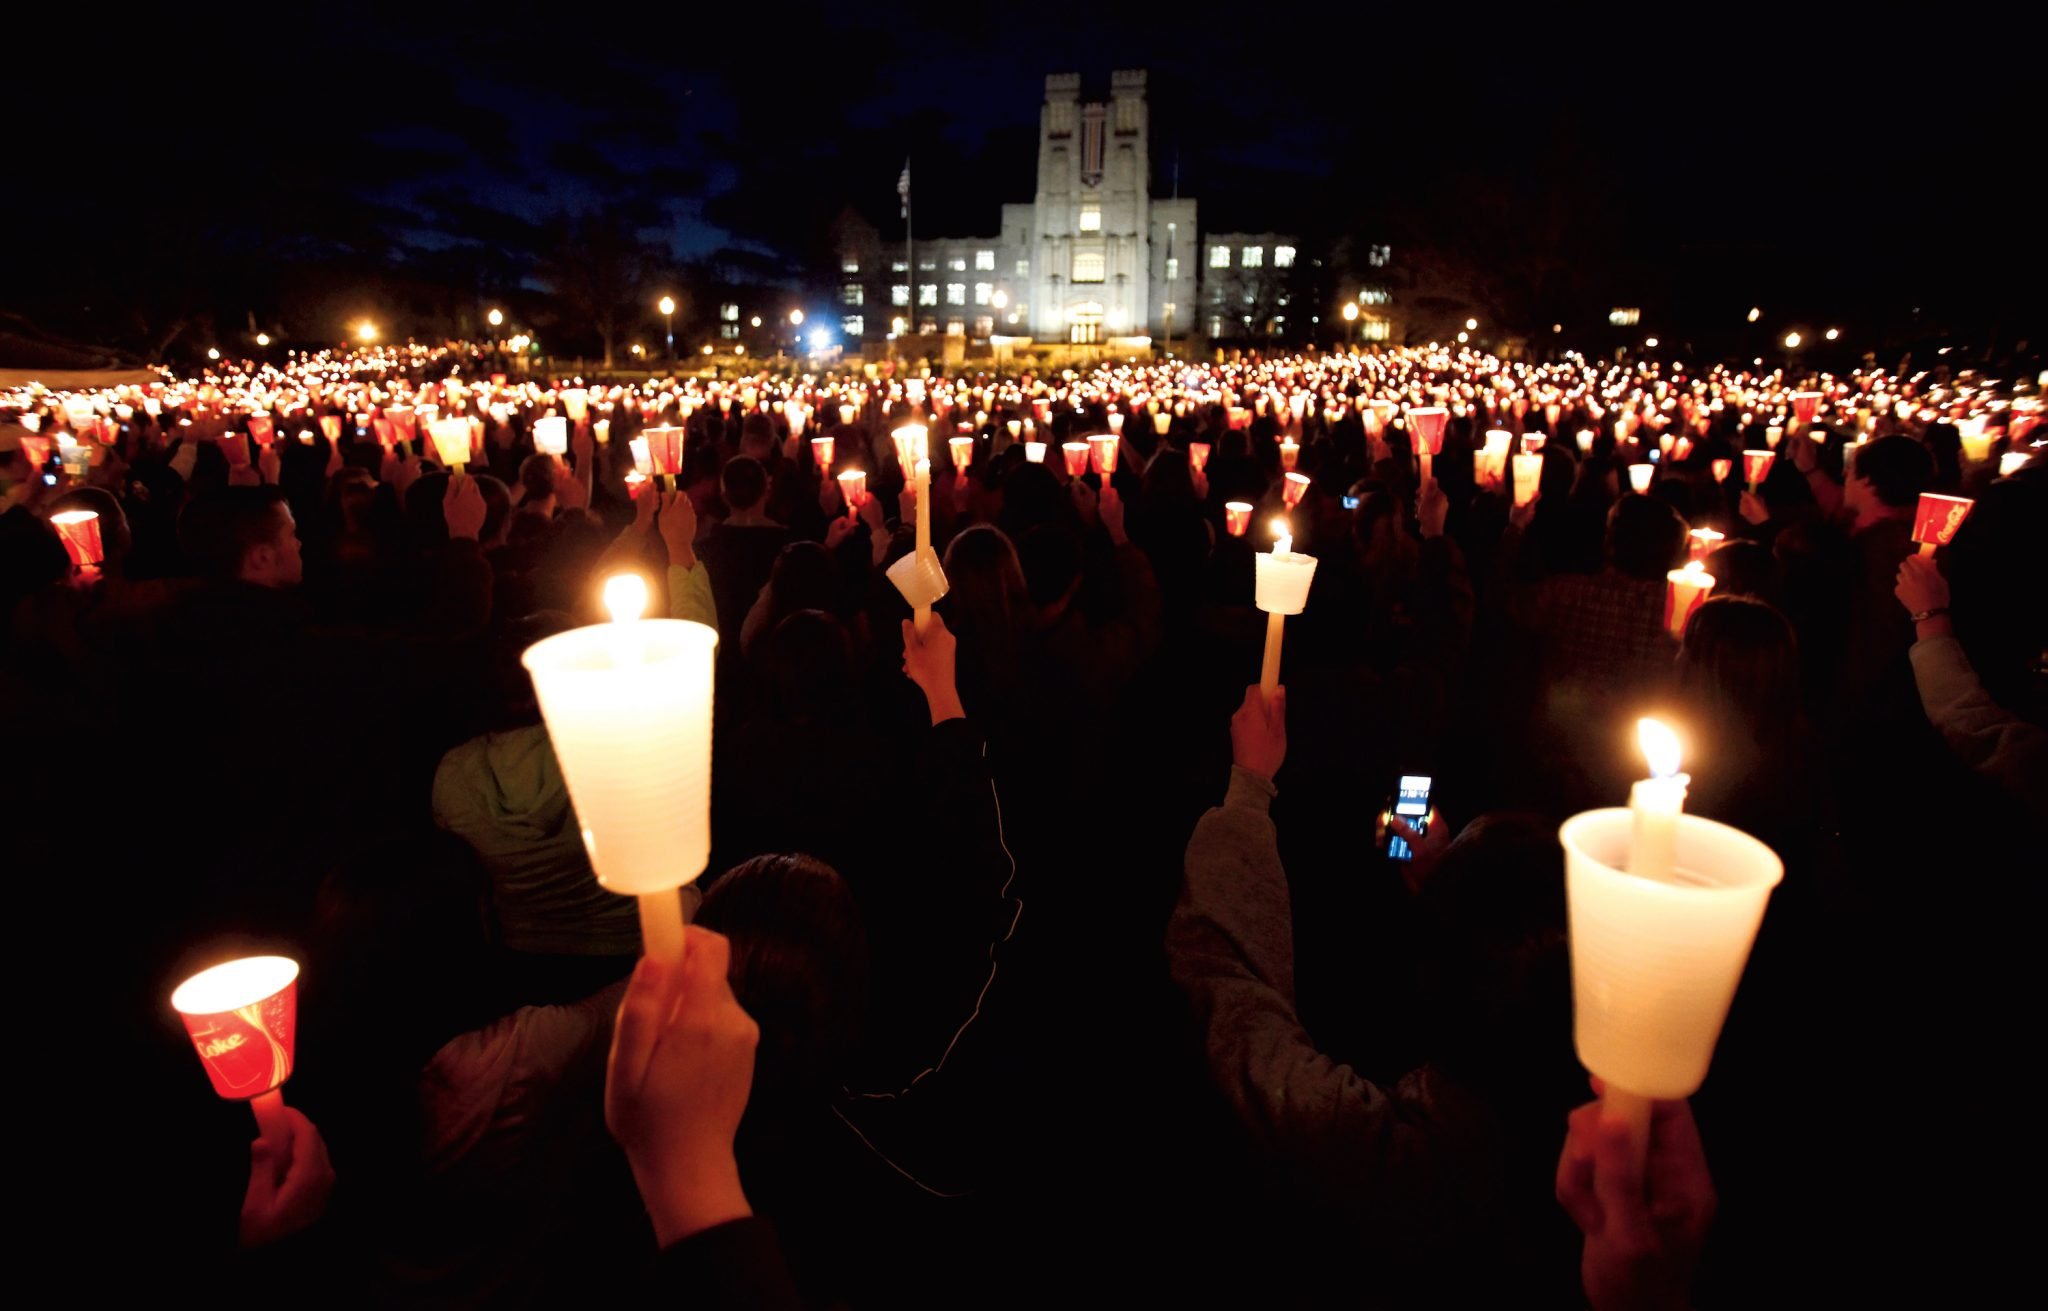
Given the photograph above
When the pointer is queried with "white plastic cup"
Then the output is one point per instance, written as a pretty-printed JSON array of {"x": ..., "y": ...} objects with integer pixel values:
[
  {"x": 1655, "y": 964},
  {"x": 628, "y": 708},
  {"x": 920, "y": 578}
]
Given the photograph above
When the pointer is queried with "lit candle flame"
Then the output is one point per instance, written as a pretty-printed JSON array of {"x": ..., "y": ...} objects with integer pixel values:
[
  {"x": 1283, "y": 539},
  {"x": 1660, "y": 746},
  {"x": 625, "y": 595}
]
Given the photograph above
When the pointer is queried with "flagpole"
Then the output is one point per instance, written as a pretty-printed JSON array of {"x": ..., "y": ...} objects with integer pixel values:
[{"x": 909, "y": 248}]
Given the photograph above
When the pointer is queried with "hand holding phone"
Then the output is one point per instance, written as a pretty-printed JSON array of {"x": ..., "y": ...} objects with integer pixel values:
[{"x": 1411, "y": 804}]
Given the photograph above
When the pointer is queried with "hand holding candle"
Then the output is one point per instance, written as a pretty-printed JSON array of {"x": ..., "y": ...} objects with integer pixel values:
[{"x": 243, "y": 1020}]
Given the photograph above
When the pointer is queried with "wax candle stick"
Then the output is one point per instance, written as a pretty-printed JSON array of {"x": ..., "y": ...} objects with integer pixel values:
[
  {"x": 1655, "y": 803},
  {"x": 628, "y": 710},
  {"x": 1281, "y": 584},
  {"x": 923, "y": 613}
]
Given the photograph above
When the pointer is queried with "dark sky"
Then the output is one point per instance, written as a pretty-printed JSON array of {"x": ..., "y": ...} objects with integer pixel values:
[{"x": 1850, "y": 151}]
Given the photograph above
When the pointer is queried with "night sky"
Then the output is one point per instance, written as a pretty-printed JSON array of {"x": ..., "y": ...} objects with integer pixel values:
[{"x": 1814, "y": 163}]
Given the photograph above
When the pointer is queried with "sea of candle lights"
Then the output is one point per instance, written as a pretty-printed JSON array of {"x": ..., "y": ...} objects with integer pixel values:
[{"x": 1655, "y": 410}]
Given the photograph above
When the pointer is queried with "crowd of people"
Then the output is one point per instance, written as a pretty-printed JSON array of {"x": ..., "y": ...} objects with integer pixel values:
[{"x": 1037, "y": 952}]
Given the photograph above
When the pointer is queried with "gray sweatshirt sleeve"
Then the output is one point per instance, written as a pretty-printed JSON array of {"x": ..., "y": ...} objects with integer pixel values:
[
  {"x": 1984, "y": 735},
  {"x": 1231, "y": 949}
]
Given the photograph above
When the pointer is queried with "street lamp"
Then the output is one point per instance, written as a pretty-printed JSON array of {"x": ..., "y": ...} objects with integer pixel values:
[
  {"x": 1791, "y": 341},
  {"x": 1650, "y": 343},
  {"x": 668, "y": 324},
  {"x": 796, "y": 318},
  {"x": 754, "y": 322},
  {"x": 366, "y": 332},
  {"x": 497, "y": 318},
  {"x": 1755, "y": 312},
  {"x": 1471, "y": 325},
  {"x": 1350, "y": 322},
  {"x": 262, "y": 339},
  {"x": 1834, "y": 334},
  {"x": 1001, "y": 299}
]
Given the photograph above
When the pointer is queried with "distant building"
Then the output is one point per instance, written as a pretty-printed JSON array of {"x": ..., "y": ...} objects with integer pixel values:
[{"x": 1094, "y": 258}]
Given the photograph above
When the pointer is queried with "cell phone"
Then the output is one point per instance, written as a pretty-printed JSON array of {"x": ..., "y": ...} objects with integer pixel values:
[
  {"x": 1351, "y": 502},
  {"x": 1411, "y": 802}
]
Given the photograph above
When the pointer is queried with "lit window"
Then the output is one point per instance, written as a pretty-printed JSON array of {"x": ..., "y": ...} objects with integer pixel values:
[
  {"x": 927, "y": 266},
  {"x": 849, "y": 266},
  {"x": 1091, "y": 218},
  {"x": 899, "y": 294},
  {"x": 958, "y": 264},
  {"x": 898, "y": 266},
  {"x": 730, "y": 313},
  {"x": 1375, "y": 296},
  {"x": 982, "y": 291},
  {"x": 984, "y": 324},
  {"x": 1624, "y": 316},
  {"x": 853, "y": 325},
  {"x": 1376, "y": 328},
  {"x": 1215, "y": 325},
  {"x": 1219, "y": 257},
  {"x": 1014, "y": 319},
  {"x": 1215, "y": 295},
  {"x": 1173, "y": 268},
  {"x": 852, "y": 294},
  {"x": 984, "y": 261},
  {"x": 1252, "y": 257},
  {"x": 1088, "y": 267},
  {"x": 927, "y": 293},
  {"x": 1283, "y": 257},
  {"x": 1251, "y": 297},
  {"x": 956, "y": 293},
  {"x": 1023, "y": 268},
  {"x": 728, "y": 330},
  {"x": 955, "y": 328},
  {"x": 1170, "y": 308},
  {"x": 1377, "y": 256}
]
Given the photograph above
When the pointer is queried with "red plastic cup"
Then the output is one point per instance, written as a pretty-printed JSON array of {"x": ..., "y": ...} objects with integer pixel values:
[
  {"x": 1938, "y": 517},
  {"x": 1294, "y": 489},
  {"x": 1237, "y": 517},
  {"x": 80, "y": 532},
  {"x": 243, "y": 1020}
]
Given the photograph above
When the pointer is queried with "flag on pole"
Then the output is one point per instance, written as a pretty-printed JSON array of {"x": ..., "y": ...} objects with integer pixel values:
[{"x": 903, "y": 188}]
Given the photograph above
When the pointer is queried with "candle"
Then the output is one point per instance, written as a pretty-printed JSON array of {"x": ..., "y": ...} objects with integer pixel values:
[
  {"x": 1656, "y": 960},
  {"x": 80, "y": 532},
  {"x": 846, "y": 413},
  {"x": 2012, "y": 462},
  {"x": 1290, "y": 451},
  {"x": 1756, "y": 466},
  {"x": 1683, "y": 591},
  {"x": 1102, "y": 452},
  {"x": 1161, "y": 423},
  {"x": 1937, "y": 519},
  {"x": 576, "y": 404},
  {"x": 1294, "y": 488},
  {"x": 1198, "y": 455},
  {"x": 1034, "y": 452},
  {"x": 242, "y": 1017},
  {"x": 1584, "y": 437},
  {"x": 853, "y": 489},
  {"x": 1655, "y": 803},
  {"x": 1528, "y": 473},
  {"x": 551, "y": 435},
  {"x": 1116, "y": 422},
  {"x": 1976, "y": 441},
  {"x": 1703, "y": 542},
  {"x": 1805, "y": 404},
  {"x": 1639, "y": 476},
  {"x": 451, "y": 441},
  {"x": 910, "y": 447},
  {"x": 924, "y": 504},
  {"x": 963, "y": 452},
  {"x": 665, "y": 447},
  {"x": 1237, "y": 517},
  {"x": 1426, "y": 427},
  {"x": 1016, "y": 428},
  {"x": 1722, "y": 468},
  {"x": 643, "y": 458},
  {"x": 1280, "y": 588},
  {"x": 821, "y": 454},
  {"x": 628, "y": 709},
  {"x": 1772, "y": 436},
  {"x": 1076, "y": 454}
]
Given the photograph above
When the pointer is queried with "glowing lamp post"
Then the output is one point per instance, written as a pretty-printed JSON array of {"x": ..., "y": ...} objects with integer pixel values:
[
  {"x": 667, "y": 306},
  {"x": 628, "y": 708},
  {"x": 242, "y": 1017},
  {"x": 1663, "y": 909},
  {"x": 1280, "y": 588}
]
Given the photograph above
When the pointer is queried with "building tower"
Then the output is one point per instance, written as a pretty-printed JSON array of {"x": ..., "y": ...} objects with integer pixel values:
[{"x": 1091, "y": 266}]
